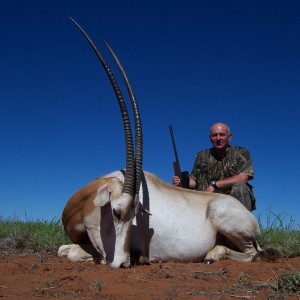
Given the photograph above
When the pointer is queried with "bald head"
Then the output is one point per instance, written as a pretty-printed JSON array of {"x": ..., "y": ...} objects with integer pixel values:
[{"x": 219, "y": 127}]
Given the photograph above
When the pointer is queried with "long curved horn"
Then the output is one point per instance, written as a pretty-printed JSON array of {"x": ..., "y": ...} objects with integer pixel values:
[
  {"x": 137, "y": 122},
  {"x": 130, "y": 163}
]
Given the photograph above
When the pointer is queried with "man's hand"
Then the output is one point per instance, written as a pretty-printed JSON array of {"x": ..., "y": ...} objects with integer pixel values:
[
  {"x": 176, "y": 180},
  {"x": 210, "y": 189}
]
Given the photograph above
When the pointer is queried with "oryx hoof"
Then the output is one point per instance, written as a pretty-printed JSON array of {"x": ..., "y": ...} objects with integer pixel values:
[
  {"x": 144, "y": 260},
  {"x": 209, "y": 261}
]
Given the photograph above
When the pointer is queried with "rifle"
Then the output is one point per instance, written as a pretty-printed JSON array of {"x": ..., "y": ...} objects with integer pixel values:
[{"x": 184, "y": 179}]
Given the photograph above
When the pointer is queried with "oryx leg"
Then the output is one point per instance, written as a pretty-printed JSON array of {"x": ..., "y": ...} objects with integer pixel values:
[
  {"x": 238, "y": 226},
  {"x": 75, "y": 252},
  {"x": 220, "y": 252}
]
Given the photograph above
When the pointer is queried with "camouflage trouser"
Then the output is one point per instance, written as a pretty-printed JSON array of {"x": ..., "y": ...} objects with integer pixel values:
[{"x": 244, "y": 194}]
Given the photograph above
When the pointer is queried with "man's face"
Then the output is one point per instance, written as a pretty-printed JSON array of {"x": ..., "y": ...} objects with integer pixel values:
[{"x": 220, "y": 137}]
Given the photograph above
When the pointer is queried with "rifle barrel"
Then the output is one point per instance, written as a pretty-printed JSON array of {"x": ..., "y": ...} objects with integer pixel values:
[{"x": 175, "y": 150}]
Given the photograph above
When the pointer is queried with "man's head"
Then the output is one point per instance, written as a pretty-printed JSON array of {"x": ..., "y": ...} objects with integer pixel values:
[{"x": 220, "y": 136}]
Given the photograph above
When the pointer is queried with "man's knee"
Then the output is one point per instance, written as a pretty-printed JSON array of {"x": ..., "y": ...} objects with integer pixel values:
[
  {"x": 242, "y": 192},
  {"x": 240, "y": 188}
]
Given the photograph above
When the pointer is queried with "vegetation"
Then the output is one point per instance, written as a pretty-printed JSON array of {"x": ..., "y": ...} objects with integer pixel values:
[
  {"x": 281, "y": 234},
  {"x": 30, "y": 236},
  {"x": 289, "y": 282}
]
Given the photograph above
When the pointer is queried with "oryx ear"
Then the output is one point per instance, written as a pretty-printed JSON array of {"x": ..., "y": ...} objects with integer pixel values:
[{"x": 102, "y": 196}]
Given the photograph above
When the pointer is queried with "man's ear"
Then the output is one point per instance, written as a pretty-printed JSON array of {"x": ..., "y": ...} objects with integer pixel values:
[
  {"x": 230, "y": 137},
  {"x": 102, "y": 196}
]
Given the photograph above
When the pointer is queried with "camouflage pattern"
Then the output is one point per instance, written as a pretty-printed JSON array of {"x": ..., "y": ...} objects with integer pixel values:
[
  {"x": 209, "y": 167},
  {"x": 243, "y": 192}
]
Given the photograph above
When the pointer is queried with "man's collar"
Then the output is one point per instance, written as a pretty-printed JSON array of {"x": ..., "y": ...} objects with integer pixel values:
[{"x": 216, "y": 155}]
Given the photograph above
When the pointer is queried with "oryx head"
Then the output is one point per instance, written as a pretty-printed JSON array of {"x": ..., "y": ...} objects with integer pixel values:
[{"x": 125, "y": 205}]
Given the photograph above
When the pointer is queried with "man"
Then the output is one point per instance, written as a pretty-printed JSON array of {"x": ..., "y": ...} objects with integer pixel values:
[{"x": 223, "y": 168}]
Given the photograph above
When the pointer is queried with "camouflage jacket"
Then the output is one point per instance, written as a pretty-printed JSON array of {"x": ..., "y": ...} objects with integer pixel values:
[{"x": 208, "y": 166}]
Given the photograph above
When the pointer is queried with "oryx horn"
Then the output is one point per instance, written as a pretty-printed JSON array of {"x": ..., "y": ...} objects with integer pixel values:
[
  {"x": 133, "y": 162},
  {"x": 137, "y": 122}
]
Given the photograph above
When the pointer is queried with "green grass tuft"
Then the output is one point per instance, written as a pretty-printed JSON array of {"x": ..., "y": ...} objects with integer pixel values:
[
  {"x": 31, "y": 236},
  {"x": 281, "y": 233},
  {"x": 289, "y": 282}
]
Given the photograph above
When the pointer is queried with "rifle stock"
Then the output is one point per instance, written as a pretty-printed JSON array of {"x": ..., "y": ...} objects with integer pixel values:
[
  {"x": 184, "y": 179},
  {"x": 176, "y": 169}
]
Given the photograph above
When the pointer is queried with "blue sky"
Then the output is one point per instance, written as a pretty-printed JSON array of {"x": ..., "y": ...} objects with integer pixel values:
[{"x": 191, "y": 63}]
